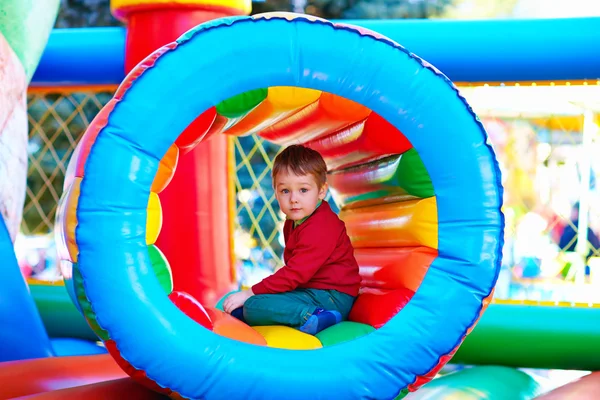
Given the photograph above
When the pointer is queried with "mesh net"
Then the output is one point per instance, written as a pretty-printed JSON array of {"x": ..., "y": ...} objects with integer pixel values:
[{"x": 56, "y": 122}]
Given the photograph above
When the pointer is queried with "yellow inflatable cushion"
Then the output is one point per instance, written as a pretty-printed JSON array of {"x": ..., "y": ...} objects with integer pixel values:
[{"x": 284, "y": 337}]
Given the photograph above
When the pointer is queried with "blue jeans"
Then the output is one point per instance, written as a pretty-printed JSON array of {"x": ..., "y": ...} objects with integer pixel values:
[{"x": 295, "y": 307}]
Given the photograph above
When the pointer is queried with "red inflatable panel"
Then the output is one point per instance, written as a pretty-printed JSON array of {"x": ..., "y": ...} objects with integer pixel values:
[
  {"x": 394, "y": 268},
  {"x": 138, "y": 375},
  {"x": 196, "y": 131},
  {"x": 195, "y": 235},
  {"x": 191, "y": 307},
  {"x": 22, "y": 378},
  {"x": 375, "y": 307},
  {"x": 125, "y": 388},
  {"x": 363, "y": 141},
  {"x": 147, "y": 30}
]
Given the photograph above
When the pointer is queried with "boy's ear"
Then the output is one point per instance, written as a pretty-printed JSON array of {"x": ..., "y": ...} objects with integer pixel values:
[{"x": 323, "y": 191}]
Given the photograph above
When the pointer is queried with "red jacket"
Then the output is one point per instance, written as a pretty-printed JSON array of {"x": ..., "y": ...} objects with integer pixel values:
[{"x": 318, "y": 255}]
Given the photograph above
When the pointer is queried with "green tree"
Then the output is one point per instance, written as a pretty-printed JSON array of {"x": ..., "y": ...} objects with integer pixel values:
[
  {"x": 480, "y": 9},
  {"x": 359, "y": 9},
  {"x": 85, "y": 13}
]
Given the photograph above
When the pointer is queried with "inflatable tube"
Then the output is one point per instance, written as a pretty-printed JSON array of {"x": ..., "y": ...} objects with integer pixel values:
[
  {"x": 161, "y": 346},
  {"x": 495, "y": 54},
  {"x": 534, "y": 335}
]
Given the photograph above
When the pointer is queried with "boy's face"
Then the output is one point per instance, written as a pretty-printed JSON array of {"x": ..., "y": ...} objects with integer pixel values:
[{"x": 298, "y": 195}]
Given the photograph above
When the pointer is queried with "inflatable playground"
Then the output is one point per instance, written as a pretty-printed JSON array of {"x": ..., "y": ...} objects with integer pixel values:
[{"x": 144, "y": 224}]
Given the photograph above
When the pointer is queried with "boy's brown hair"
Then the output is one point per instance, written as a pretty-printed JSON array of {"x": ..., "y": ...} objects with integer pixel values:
[{"x": 301, "y": 160}]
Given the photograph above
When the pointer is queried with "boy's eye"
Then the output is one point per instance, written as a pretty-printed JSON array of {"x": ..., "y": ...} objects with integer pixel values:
[
  {"x": 285, "y": 191},
  {"x": 303, "y": 190}
]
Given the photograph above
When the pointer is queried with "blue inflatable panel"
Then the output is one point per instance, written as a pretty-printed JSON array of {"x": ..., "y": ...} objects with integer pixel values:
[
  {"x": 204, "y": 69},
  {"x": 76, "y": 347},
  {"x": 22, "y": 333},
  {"x": 82, "y": 56},
  {"x": 500, "y": 51}
]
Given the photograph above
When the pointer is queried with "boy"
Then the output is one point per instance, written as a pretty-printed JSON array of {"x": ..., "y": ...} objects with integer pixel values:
[{"x": 319, "y": 283}]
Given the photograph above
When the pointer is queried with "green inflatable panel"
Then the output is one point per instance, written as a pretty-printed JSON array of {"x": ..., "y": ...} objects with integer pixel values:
[
  {"x": 161, "y": 268},
  {"x": 86, "y": 306},
  {"x": 242, "y": 104},
  {"x": 343, "y": 332},
  {"x": 394, "y": 178},
  {"x": 481, "y": 383},
  {"x": 535, "y": 336},
  {"x": 59, "y": 315},
  {"x": 26, "y": 25},
  {"x": 412, "y": 175}
]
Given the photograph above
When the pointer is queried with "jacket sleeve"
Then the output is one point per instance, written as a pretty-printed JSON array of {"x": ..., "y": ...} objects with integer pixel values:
[{"x": 314, "y": 247}]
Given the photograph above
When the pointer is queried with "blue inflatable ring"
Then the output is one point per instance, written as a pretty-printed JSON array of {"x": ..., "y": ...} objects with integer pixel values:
[{"x": 210, "y": 64}]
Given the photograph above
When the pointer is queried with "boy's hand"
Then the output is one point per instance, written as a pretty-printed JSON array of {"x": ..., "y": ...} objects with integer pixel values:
[{"x": 236, "y": 300}]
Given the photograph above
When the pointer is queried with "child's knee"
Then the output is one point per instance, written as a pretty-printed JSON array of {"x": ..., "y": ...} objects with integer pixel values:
[{"x": 255, "y": 302}]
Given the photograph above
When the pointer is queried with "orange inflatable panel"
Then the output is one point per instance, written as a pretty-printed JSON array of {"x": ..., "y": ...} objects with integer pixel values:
[
  {"x": 228, "y": 326},
  {"x": 22, "y": 378},
  {"x": 394, "y": 268},
  {"x": 125, "y": 388},
  {"x": 360, "y": 142},
  {"x": 331, "y": 113},
  {"x": 68, "y": 221},
  {"x": 166, "y": 169},
  {"x": 403, "y": 224},
  {"x": 375, "y": 307},
  {"x": 281, "y": 102}
]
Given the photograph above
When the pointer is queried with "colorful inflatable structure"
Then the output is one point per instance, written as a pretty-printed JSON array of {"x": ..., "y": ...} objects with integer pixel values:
[
  {"x": 419, "y": 227},
  {"x": 144, "y": 226}
]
